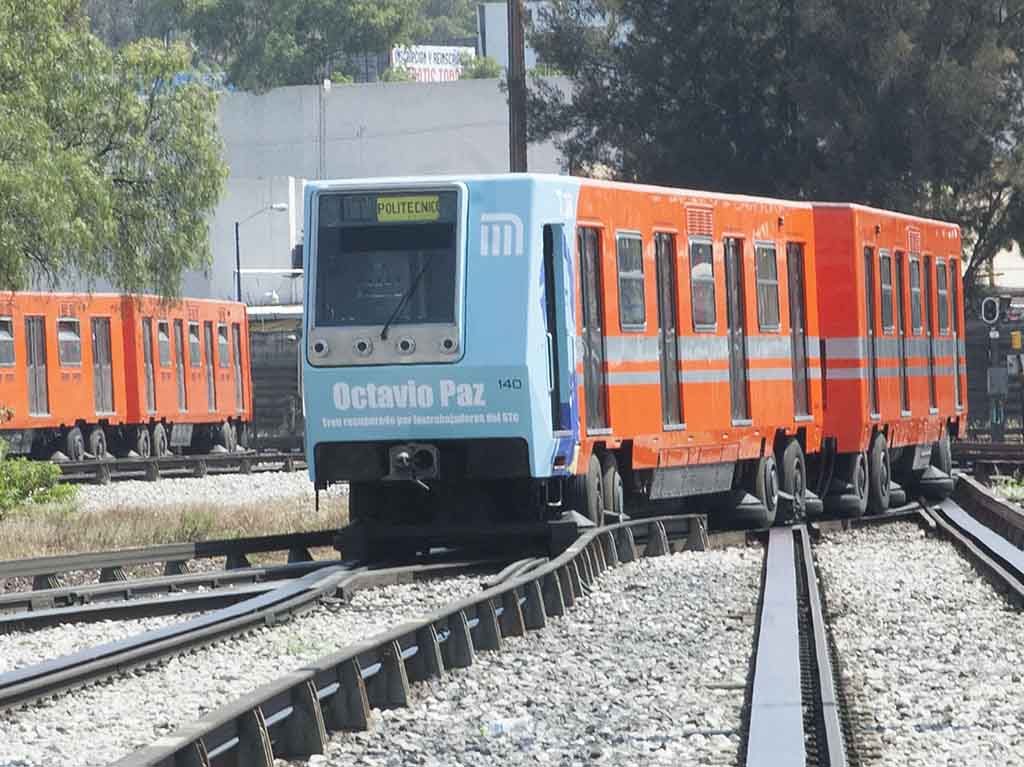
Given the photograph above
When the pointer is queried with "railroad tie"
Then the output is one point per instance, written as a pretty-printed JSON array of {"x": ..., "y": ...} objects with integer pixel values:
[{"x": 348, "y": 709}]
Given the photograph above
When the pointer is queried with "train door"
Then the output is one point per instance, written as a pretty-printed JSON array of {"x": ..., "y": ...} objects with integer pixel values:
[
  {"x": 872, "y": 350},
  {"x": 557, "y": 333},
  {"x": 179, "y": 364},
  {"x": 737, "y": 343},
  {"x": 236, "y": 359},
  {"x": 929, "y": 327},
  {"x": 668, "y": 327},
  {"x": 211, "y": 384},
  {"x": 35, "y": 341},
  {"x": 147, "y": 363},
  {"x": 954, "y": 287},
  {"x": 798, "y": 326},
  {"x": 901, "y": 335},
  {"x": 594, "y": 380},
  {"x": 102, "y": 366}
]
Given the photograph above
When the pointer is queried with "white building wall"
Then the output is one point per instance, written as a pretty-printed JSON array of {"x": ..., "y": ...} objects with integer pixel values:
[{"x": 276, "y": 140}]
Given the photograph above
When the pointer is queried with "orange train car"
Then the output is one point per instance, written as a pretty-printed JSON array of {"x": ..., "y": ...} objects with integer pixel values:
[
  {"x": 87, "y": 375},
  {"x": 892, "y": 333},
  {"x": 710, "y": 301}
]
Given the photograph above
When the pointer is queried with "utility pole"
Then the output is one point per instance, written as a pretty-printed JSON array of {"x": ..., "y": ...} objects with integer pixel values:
[{"x": 516, "y": 88}]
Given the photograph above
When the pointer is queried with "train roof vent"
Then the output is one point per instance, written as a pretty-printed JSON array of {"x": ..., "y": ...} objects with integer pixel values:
[
  {"x": 914, "y": 240},
  {"x": 699, "y": 222},
  {"x": 68, "y": 310}
]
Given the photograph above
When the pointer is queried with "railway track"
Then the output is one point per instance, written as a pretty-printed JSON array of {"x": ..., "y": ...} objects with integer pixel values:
[
  {"x": 105, "y": 470},
  {"x": 45, "y": 572},
  {"x": 796, "y": 711}
]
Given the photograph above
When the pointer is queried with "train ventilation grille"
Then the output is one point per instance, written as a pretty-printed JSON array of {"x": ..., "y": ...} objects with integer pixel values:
[
  {"x": 914, "y": 240},
  {"x": 699, "y": 222}
]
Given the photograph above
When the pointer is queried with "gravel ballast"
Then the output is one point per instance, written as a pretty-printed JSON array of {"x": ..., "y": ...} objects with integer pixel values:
[
  {"x": 100, "y": 724},
  {"x": 649, "y": 669},
  {"x": 24, "y": 648},
  {"x": 214, "y": 491},
  {"x": 931, "y": 652}
]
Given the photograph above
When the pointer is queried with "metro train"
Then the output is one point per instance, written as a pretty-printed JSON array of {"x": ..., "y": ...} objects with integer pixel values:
[
  {"x": 489, "y": 349},
  {"x": 86, "y": 375}
]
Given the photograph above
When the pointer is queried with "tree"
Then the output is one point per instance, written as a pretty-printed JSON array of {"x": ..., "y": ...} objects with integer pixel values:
[
  {"x": 263, "y": 44},
  {"x": 916, "y": 105},
  {"x": 480, "y": 68},
  {"x": 447, "y": 21},
  {"x": 109, "y": 163},
  {"x": 119, "y": 22}
]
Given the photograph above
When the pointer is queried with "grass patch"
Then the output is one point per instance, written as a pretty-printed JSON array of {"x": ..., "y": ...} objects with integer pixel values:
[
  {"x": 1010, "y": 487},
  {"x": 54, "y": 529}
]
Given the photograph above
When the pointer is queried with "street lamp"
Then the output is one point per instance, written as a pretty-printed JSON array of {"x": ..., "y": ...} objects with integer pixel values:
[{"x": 280, "y": 207}]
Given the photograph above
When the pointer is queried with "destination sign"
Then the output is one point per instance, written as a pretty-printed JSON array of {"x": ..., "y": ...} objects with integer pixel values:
[{"x": 419, "y": 208}]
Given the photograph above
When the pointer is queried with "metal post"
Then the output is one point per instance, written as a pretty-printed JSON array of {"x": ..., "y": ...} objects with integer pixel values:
[
  {"x": 516, "y": 88},
  {"x": 238, "y": 267}
]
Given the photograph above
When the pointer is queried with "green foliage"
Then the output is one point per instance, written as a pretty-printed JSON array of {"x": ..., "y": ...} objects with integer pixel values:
[
  {"x": 916, "y": 106},
  {"x": 25, "y": 482},
  {"x": 480, "y": 68},
  {"x": 397, "y": 75},
  {"x": 107, "y": 168},
  {"x": 262, "y": 44},
  {"x": 447, "y": 21},
  {"x": 195, "y": 525}
]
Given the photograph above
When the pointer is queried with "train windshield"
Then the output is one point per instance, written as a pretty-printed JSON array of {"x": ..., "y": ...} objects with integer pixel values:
[{"x": 386, "y": 259}]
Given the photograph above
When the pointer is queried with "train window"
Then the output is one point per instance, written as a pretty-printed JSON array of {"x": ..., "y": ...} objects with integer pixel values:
[
  {"x": 915, "y": 296},
  {"x": 69, "y": 343},
  {"x": 767, "y": 271},
  {"x": 941, "y": 281},
  {"x": 195, "y": 354},
  {"x": 630, "y": 255},
  {"x": 163, "y": 342},
  {"x": 223, "y": 357},
  {"x": 885, "y": 275},
  {"x": 377, "y": 257},
  {"x": 702, "y": 284},
  {"x": 6, "y": 341}
]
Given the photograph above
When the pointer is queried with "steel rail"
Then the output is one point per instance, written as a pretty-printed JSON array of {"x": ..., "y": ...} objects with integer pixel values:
[
  {"x": 992, "y": 552},
  {"x": 290, "y": 717},
  {"x": 175, "y": 556},
  {"x": 777, "y": 736},
  {"x": 140, "y": 588},
  {"x": 1003, "y": 516},
  {"x": 103, "y": 470},
  {"x": 70, "y": 671}
]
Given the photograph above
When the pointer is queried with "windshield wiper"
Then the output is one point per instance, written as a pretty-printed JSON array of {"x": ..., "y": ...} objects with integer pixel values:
[{"x": 405, "y": 299}]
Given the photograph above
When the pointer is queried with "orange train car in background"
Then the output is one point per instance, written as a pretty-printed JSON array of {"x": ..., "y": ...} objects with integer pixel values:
[
  {"x": 86, "y": 375},
  {"x": 892, "y": 336}
]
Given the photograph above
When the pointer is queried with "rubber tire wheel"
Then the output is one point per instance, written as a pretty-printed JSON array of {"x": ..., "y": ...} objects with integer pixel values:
[
  {"x": 159, "y": 440},
  {"x": 98, "y": 443},
  {"x": 143, "y": 444},
  {"x": 857, "y": 475},
  {"x": 74, "y": 445},
  {"x": 766, "y": 489},
  {"x": 879, "y": 476},
  {"x": 942, "y": 454},
  {"x": 594, "y": 492},
  {"x": 793, "y": 480},
  {"x": 611, "y": 485}
]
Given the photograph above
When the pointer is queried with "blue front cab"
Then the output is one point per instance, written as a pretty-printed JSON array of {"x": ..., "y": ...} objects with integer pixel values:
[{"x": 471, "y": 416}]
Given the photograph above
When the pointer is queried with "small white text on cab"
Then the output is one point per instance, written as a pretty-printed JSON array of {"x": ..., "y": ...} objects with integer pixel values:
[{"x": 408, "y": 395}]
